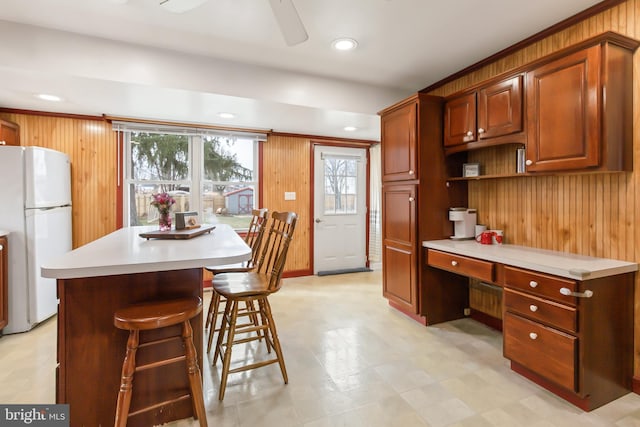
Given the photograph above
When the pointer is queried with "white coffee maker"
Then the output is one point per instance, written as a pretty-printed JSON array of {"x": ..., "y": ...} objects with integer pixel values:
[{"x": 464, "y": 223}]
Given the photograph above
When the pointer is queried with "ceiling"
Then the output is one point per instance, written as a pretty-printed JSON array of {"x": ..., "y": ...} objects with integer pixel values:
[{"x": 136, "y": 59}]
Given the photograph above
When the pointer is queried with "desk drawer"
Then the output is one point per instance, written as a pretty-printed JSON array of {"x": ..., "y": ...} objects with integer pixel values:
[
  {"x": 539, "y": 284},
  {"x": 549, "y": 312},
  {"x": 465, "y": 266},
  {"x": 543, "y": 350}
]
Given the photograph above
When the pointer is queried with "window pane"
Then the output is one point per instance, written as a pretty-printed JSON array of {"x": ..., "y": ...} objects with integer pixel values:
[
  {"x": 231, "y": 204},
  {"x": 141, "y": 210},
  {"x": 340, "y": 183},
  {"x": 228, "y": 159},
  {"x": 159, "y": 157}
]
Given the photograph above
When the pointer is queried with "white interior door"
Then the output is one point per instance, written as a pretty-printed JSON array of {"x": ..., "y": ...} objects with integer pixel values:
[{"x": 340, "y": 211}]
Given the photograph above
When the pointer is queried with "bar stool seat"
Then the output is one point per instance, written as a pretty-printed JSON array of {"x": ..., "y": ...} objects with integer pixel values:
[{"x": 156, "y": 315}]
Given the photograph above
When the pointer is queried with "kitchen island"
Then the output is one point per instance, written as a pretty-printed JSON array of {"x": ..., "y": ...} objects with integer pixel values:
[{"x": 117, "y": 270}]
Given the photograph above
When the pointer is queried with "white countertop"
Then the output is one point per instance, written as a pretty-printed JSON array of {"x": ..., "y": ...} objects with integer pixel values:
[
  {"x": 4, "y": 232},
  {"x": 125, "y": 252},
  {"x": 562, "y": 264}
]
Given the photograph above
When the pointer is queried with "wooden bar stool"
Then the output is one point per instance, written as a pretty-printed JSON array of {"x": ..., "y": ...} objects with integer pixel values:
[
  {"x": 155, "y": 315},
  {"x": 253, "y": 239},
  {"x": 253, "y": 288}
]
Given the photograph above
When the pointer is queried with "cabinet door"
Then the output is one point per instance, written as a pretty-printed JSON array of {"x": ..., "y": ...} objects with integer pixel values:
[
  {"x": 460, "y": 120},
  {"x": 400, "y": 282},
  {"x": 563, "y": 120},
  {"x": 9, "y": 133},
  {"x": 500, "y": 108},
  {"x": 4, "y": 285},
  {"x": 399, "y": 144}
]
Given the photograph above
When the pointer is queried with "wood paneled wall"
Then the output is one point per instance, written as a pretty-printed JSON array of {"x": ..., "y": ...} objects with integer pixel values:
[
  {"x": 597, "y": 215},
  {"x": 91, "y": 146},
  {"x": 286, "y": 167}
]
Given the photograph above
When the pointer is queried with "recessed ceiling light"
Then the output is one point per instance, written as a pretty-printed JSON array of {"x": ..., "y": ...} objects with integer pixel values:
[
  {"x": 344, "y": 44},
  {"x": 350, "y": 128},
  {"x": 48, "y": 97},
  {"x": 226, "y": 115}
]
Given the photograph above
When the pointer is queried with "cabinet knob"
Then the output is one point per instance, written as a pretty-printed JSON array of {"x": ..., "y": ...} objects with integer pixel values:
[
  {"x": 454, "y": 263},
  {"x": 480, "y": 130},
  {"x": 469, "y": 133},
  {"x": 411, "y": 172},
  {"x": 411, "y": 199},
  {"x": 3, "y": 142},
  {"x": 533, "y": 335},
  {"x": 533, "y": 283},
  {"x": 1, "y": 247},
  {"x": 533, "y": 308},
  {"x": 528, "y": 162}
]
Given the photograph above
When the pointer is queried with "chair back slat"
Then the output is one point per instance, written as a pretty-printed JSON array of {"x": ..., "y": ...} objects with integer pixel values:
[
  {"x": 276, "y": 247},
  {"x": 255, "y": 233}
]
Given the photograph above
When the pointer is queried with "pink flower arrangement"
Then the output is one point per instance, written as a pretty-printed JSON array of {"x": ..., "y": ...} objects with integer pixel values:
[{"x": 163, "y": 202}]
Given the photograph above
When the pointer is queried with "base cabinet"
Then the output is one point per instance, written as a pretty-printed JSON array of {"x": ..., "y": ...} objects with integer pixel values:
[
  {"x": 573, "y": 337},
  {"x": 400, "y": 277}
]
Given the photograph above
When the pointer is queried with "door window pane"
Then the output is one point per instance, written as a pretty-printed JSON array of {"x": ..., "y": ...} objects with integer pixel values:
[{"x": 340, "y": 184}]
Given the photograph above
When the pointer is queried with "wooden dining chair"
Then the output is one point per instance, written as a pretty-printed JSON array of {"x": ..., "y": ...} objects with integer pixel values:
[
  {"x": 253, "y": 239},
  {"x": 254, "y": 286}
]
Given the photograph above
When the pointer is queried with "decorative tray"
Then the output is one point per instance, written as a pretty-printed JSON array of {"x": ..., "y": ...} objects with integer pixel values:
[{"x": 178, "y": 234}]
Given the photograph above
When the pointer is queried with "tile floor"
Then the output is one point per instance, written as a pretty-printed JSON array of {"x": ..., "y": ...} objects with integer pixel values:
[{"x": 352, "y": 361}]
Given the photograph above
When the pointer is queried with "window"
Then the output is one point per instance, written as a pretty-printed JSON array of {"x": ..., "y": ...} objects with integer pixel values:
[
  {"x": 206, "y": 172},
  {"x": 340, "y": 185}
]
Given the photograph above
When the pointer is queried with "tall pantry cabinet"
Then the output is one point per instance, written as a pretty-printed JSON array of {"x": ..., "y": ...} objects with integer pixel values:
[{"x": 415, "y": 202}]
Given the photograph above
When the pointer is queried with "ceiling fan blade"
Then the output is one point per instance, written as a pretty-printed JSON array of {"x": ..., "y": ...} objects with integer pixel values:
[
  {"x": 289, "y": 21},
  {"x": 180, "y": 6}
]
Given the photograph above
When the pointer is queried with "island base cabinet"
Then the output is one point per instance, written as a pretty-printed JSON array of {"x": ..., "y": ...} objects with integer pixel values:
[{"x": 85, "y": 327}]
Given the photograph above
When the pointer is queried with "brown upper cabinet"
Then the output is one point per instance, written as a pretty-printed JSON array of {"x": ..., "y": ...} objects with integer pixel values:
[
  {"x": 579, "y": 109},
  {"x": 399, "y": 154},
  {"x": 9, "y": 133},
  {"x": 572, "y": 110},
  {"x": 479, "y": 117}
]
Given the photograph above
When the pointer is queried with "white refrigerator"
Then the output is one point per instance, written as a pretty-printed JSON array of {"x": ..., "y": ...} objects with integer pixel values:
[{"x": 35, "y": 208}]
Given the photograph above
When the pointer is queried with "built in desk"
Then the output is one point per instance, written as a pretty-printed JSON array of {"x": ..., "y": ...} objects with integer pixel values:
[
  {"x": 114, "y": 271},
  {"x": 567, "y": 318}
]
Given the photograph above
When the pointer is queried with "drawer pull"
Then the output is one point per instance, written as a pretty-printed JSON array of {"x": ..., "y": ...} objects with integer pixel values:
[
  {"x": 533, "y": 284},
  {"x": 454, "y": 263},
  {"x": 586, "y": 294},
  {"x": 533, "y": 307},
  {"x": 533, "y": 335},
  {"x": 1, "y": 247}
]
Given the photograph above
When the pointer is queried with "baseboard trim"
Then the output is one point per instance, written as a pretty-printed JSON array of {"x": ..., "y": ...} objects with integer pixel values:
[
  {"x": 420, "y": 319},
  {"x": 484, "y": 318}
]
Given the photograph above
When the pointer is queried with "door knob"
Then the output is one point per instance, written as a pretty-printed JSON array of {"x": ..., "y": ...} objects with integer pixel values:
[{"x": 318, "y": 220}]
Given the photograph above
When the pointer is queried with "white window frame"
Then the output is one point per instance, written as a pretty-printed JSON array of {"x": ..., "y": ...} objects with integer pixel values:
[{"x": 195, "y": 179}]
